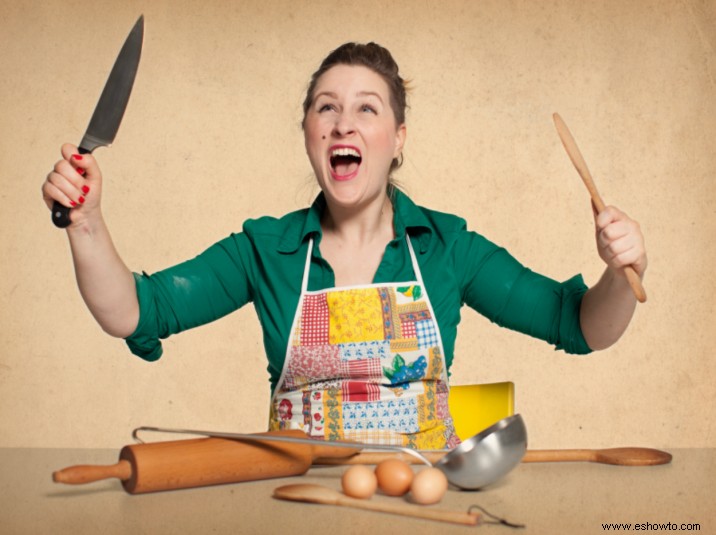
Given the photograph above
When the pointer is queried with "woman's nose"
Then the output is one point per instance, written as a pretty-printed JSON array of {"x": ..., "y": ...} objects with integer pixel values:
[{"x": 344, "y": 124}]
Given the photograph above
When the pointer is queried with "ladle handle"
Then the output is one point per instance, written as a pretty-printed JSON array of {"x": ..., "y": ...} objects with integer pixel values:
[
  {"x": 375, "y": 457},
  {"x": 323, "y": 450}
]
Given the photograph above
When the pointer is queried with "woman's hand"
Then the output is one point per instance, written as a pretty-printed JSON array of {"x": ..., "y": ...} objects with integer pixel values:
[
  {"x": 608, "y": 306},
  {"x": 75, "y": 182},
  {"x": 620, "y": 242},
  {"x": 105, "y": 282}
]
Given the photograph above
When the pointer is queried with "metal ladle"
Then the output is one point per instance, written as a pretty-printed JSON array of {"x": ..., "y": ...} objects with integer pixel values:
[
  {"x": 488, "y": 456},
  {"x": 479, "y": 461}
]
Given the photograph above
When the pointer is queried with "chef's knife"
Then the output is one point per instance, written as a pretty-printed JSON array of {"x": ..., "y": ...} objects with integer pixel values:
[{"x": 110, "y": 108}]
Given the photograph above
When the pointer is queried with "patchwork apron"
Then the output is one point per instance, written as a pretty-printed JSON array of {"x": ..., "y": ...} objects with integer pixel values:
[{"x": 366, "y": 363}]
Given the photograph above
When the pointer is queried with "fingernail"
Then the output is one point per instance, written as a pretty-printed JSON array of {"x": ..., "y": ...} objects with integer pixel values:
[
  {"x": 77, "y": 156},
  {"x": 73, "y": 203},
  {"x": 85, "y": 189},
  {"x": 80, "y": 170},
  {"x": 82, "y": 200}
]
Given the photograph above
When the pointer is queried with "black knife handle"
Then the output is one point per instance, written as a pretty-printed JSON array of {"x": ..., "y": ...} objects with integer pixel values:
[
  {"x": 60, "y": 212},
  {"x": 60, "y": 215}
]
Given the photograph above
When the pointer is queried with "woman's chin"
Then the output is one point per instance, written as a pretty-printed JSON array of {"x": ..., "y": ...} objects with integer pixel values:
[{"x": 351, "y": 191}]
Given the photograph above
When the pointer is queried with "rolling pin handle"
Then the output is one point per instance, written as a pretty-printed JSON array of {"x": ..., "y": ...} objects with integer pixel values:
[{"x": 85, "y": 473}]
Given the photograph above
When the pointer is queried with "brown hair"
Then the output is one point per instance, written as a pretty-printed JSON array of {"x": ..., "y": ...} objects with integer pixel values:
[{"x": 380, "y": 61}]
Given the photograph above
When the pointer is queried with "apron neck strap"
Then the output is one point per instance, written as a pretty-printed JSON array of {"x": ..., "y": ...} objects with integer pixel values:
[
  {"x": 414, "y": 260},
  {"x": 304, "y": 283}
]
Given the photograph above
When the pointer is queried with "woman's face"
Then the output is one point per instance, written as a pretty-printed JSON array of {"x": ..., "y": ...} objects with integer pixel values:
[{"x": 351, "y": 135}]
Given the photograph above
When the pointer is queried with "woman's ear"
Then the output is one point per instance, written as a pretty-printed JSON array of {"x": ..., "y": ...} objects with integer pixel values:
[{"x": 399, "y": 140}]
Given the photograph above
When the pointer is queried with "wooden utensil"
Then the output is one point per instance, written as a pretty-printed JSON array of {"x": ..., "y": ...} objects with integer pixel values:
[
  {"x": 324, "y": 495},
  {"x": 576, "y": 156},
  {"x": 617, "y": 456},
  {"x": 205, "y": 461}
]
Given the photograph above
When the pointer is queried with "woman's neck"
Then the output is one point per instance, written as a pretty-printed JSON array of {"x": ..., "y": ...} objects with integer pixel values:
[
  {"x": 353, "y": 243},
  {"x": 361, "y": 225}
]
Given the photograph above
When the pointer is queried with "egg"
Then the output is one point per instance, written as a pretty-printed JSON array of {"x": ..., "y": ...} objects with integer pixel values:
[
  {"x": 394, "y": 477},
  {"x": 359, "y": 482},
  {"x": 429, "y": 486}
]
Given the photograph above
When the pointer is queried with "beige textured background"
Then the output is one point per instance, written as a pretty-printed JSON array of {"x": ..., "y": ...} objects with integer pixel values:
[{"x": 212, "y": 137}]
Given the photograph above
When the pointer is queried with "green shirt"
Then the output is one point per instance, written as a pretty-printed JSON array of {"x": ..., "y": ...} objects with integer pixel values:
[{"x": 264, "y": 265}]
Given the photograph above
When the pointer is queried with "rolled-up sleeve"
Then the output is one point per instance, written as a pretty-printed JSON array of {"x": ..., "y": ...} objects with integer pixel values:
[
  {"x": 497, "y": 286},
  {"x": 193, "y": 293}
]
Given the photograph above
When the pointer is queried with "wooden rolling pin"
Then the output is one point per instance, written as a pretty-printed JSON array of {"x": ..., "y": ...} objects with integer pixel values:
[
  {"x": 181, "y": 464},
  {"x": 617, "y": 456}
]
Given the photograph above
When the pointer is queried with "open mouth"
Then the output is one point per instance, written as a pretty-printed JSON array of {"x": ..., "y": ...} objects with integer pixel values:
[{"x": 345, "y": 162}]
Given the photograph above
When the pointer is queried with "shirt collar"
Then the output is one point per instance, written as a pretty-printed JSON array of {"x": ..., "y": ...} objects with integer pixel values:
[
  {"x": 297, "y": 234},
  {"x": 411, "y": 219},
  {"x": 407, "y": 217}
]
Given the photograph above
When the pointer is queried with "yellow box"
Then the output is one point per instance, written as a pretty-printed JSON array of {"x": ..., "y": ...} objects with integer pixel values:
[{"x": 476, "y": 407}]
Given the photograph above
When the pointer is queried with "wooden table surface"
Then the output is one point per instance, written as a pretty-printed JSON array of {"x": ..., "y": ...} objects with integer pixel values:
[{"x": 564, "y": 498}]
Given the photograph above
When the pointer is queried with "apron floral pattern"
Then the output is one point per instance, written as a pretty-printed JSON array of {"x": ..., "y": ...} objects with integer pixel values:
[{"x": 366, "y": 363}]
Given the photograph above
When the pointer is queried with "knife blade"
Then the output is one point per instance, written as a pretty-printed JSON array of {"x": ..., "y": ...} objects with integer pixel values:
[{"x": 109, "y": 110}]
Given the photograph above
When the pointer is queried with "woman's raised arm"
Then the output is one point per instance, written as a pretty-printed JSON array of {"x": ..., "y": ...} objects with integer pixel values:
[{"x": 106, "y": 284}]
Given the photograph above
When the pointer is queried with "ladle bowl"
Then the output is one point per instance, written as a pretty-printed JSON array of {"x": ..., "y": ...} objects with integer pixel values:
[{"x": 488, "y": 456}]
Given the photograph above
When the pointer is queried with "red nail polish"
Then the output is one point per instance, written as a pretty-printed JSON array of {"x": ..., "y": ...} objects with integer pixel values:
[
  {"x": 85, "y": 189},
  {"x": 73, "y": 204},
  {"x": 80, "y": 170},
  {"x": 77, "y": 156},
  {"x": 82, "y": 200}
]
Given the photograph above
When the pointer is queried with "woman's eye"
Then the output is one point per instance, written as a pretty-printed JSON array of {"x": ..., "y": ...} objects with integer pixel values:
[
  {"x": 324, "y": 107},
  {"x": 368, "y": 108}
]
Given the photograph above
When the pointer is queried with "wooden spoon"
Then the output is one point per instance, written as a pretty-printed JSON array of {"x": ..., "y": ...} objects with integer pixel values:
[
  {"x": 324, "y": 495},
  {"x": 576, "y": 156},
  {"x": 618, "y": 456}
]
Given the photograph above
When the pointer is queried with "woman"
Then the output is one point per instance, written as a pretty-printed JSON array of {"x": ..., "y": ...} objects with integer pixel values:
[{"x": 359, "y": 295}]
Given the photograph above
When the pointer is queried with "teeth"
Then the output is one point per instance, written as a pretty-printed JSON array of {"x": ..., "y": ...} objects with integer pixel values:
[{"x": 345, "y": 151}]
